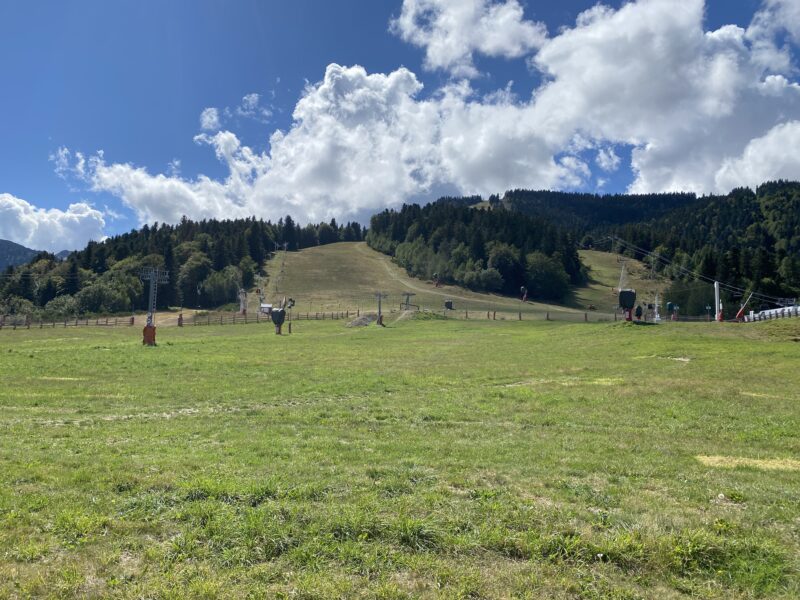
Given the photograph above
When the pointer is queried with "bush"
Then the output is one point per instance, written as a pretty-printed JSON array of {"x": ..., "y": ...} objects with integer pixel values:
[
  {"x": 102, "y": 298},
  {"x": 546, "y": 277},
  {"x": 14, "y": 305},
  {"x": 60, "y": 307},
  {"x": 222, "y": 287}
]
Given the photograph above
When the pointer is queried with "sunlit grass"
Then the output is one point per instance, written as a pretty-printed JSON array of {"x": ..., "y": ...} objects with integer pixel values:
[{"x": 428, "y": 459}]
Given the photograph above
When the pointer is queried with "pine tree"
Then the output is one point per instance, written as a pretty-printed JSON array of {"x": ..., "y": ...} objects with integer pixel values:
[{"x": 73, "y": 284}]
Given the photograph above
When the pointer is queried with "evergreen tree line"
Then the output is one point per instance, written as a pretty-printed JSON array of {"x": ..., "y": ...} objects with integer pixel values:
[
  {"x": 585, "y": 213},
  {"x": 747, "y": 239},
  {"x": 208, "y": 262},
  {"x": 486, "y": 250}
]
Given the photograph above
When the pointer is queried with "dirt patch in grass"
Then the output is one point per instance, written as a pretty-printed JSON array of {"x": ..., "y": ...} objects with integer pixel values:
[
  {"x": 769, "y": 464},
  {"x": 363, "y": 320},
  {"x": 681, "y": 359},
  {"x": 759, "y": 395}
]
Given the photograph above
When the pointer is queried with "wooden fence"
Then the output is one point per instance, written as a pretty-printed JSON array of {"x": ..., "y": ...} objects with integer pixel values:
[
  {"x": 23, "y": 323},
  {"x": 238, "y": 319},
  {"x": 227, "y": 318}
]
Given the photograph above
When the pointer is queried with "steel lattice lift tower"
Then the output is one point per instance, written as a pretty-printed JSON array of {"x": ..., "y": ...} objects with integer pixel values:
[{"x": 155, "y": 276}]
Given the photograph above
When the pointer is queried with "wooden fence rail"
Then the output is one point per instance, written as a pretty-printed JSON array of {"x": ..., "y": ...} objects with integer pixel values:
[{"x": 52, "y": 324}]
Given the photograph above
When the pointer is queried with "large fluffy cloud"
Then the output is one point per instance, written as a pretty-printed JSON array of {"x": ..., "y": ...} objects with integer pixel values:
[
  {"x": 452, "y": 30},
  {"x": 648, "y": 75},
  {"x": 772, "y": 156},
  {"x": 700, "y": 108},
  {"x": 49, "y": 229}
]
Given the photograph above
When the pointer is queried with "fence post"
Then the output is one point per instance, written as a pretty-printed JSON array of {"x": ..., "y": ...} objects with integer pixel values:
[
  {"x": 585, "y": 317},
  {"x": 520, "y": 315},
  {"x": 494, "y": 315},
  {"x": 466, "y": 314},
  {"x": 547, "y": 316}
]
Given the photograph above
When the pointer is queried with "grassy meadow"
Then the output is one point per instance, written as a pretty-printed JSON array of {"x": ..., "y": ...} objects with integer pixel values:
[
  {"x": 430, "y": 459},
  {"x": 346, "y": 275}
]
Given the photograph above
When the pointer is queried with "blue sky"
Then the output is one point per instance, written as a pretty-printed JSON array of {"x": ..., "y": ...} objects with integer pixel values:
[{"x": 131, "y": 79}]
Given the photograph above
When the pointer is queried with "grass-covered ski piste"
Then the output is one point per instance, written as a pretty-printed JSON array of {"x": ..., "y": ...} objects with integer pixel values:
[{"x": 432, "y": 458}]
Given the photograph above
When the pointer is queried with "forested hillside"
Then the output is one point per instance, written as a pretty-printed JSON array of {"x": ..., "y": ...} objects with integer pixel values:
[
  {"x": 746, "y": 239},
  {"x": 208, "y": 262},
  {"x": 488, "y": 250},
  {"x": 583, "y": 213},
  {"x": 14, "y": 254}
]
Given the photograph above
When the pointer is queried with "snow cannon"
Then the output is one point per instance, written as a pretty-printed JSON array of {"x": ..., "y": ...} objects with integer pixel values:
[
  {"x": 278, "y": 316},
  {"x": 627, "y": 300}
]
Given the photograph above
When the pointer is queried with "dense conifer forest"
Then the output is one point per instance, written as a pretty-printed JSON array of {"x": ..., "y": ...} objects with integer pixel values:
[
  {"x": 747, "y": 239},
  {"x": 487, "y": 250},
  {"x": 208, "y": 262}
]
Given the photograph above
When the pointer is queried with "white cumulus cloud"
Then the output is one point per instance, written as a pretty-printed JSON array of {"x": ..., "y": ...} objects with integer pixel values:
[
  {"x": 451, "y": 31},
  {"x": 49, "y": 229},
  {"x": 770, "y": 157},
  {"x": 696, "y": 106}
]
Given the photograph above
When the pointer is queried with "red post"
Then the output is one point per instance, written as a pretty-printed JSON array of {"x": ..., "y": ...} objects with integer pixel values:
[{"x": 149, "y": 335}]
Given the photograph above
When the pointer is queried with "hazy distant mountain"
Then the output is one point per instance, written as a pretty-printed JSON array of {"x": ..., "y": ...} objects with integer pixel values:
[
  {"x": 14, "y": 254},
  {"x": 64, "y": 254}
]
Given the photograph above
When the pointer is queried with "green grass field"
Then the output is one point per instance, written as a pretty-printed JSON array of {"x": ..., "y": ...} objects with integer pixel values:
[{"x": 433, "y": 458}]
